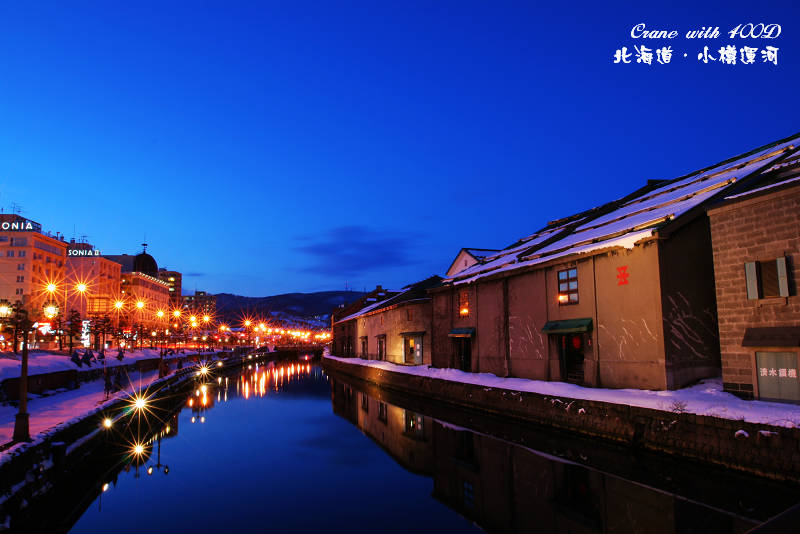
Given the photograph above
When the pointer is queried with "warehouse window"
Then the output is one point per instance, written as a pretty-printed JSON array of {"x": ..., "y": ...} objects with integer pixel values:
[
  {"x": 568, "y": 286},
  {"x": 766, "y": 279},
  {"x": 463, "y": 303}
]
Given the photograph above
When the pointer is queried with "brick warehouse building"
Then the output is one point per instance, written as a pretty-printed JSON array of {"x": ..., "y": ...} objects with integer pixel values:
[
  {"x": 394, "y": 327},
  {"x": 621, "y": 295},
  {"x": 756, "y": 242}
]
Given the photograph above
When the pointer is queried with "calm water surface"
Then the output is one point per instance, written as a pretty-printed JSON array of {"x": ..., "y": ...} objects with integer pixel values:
[
  {"x": 299, "y": 451},
  {"x": 272, "y": 459}
]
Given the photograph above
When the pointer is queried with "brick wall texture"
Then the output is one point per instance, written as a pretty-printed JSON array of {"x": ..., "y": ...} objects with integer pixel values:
[{"x": 760, "y": 228}]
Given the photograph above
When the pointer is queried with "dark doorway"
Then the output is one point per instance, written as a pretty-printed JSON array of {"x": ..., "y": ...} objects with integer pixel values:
[
  {"x": 572, "y": 356},
  {"x": 463, "y": 352},
  {"x": 381, "y": 347}
]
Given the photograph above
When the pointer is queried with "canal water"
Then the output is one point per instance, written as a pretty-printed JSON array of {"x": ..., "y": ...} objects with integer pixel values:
[{"x": 287, "y": 448}]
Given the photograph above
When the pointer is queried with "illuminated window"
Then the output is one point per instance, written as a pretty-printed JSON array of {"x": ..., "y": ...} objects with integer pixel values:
[
  {"x": 463, "y": 304},
  {"x": 568, "y": 286}
]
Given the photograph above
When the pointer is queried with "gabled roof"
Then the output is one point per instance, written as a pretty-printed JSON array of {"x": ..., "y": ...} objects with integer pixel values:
[
  {"x": 476, "y": 254},
  {"x": 634, "y": 218}
]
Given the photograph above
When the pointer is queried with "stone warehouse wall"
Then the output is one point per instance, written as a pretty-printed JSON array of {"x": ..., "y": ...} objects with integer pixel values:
[
  {"x": 763, "y": 450},
  {"x": 756, "y": 229}
]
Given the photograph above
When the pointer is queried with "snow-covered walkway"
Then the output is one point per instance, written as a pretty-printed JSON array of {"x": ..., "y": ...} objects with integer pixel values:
[
  {"x": 705, "y": 398},
  {"x": 40, "y": 362},
  {"x": 47, "y": 412}
]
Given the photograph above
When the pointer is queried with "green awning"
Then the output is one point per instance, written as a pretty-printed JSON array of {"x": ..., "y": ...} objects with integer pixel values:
[
  {"x": 568, "y": 326},
  {"x": 462, "y": 332}
]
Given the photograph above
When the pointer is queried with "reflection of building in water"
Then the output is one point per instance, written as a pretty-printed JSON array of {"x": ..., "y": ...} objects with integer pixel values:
[
  {"x": 404, "y": 434},
  {"x": 343, "y": 399},
  {"x": 504, "y": 487},
  {"x": 507, "y": 488}
]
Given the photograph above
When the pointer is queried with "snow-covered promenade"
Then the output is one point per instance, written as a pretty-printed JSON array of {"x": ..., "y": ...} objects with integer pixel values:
[{"x": 56, "y": 407}]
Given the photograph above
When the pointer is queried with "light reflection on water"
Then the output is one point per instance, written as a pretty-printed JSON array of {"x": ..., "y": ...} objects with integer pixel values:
[
  {"x": 257, "y": 447},
  {"x": 286, "y": 448}
]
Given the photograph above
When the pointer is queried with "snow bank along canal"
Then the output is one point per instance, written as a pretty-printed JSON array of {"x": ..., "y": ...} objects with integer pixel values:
[{"x": 284, "y": 447}]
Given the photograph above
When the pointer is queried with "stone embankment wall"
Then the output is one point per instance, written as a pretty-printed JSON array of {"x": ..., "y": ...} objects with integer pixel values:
[{"x": 758, "y": 449}]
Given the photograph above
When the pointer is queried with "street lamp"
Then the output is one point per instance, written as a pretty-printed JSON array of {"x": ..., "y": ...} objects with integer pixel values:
[
  {"x": 22, "y": 323},
  {"x": 139, "y": 308}
]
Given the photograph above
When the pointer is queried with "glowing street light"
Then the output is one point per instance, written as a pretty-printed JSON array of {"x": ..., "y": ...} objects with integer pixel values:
[
  {"x": 81, "y": 287},
  {"x": 140, "y": 304},
  {"x": 119, "y": 304}
]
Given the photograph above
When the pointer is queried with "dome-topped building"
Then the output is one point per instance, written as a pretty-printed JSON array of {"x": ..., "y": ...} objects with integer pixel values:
[
  {"x": 145, "y": 263},
  {"x": 140, "y": 283}
]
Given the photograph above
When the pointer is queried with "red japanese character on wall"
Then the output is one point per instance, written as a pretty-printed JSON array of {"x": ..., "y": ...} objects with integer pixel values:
[{"x": 622, "y": 275}]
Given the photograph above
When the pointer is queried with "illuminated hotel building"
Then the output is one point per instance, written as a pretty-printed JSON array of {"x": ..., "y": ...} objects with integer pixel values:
[
  {"x": 30, "y": 260},
  {"x": 140, "y": 283},
  {"x": 93, "y": 281},
  {"x": 173, "y": 279}
]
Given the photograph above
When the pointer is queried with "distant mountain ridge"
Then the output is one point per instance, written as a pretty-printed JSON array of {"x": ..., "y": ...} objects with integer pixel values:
[{"x": 292, "y": 307}]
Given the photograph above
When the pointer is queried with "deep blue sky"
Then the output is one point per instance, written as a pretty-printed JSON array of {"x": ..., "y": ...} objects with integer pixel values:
[{"x": 269, "y": 148}]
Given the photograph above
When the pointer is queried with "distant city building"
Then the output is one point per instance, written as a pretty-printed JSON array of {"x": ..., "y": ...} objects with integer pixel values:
[
  {"x": 173, "y": 280},
  {"x": 30, "y": 260},
  {"x": 201, "y": 303},
  {"x": 93, "y": 281}
]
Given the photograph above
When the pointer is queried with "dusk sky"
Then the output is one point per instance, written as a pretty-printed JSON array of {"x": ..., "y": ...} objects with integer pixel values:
[{"x": 299, "y": 146}]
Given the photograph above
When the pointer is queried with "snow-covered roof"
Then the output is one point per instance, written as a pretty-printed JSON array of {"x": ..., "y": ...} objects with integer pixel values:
[
  {"x": 624, "y": 222},
  {"x": 780, "y": 174},
  {"x": 410, "y": 293},
  {"x": 481, "y": 253}
]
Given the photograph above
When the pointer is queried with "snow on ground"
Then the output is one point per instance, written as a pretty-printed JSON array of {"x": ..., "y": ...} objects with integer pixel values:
[
  {"x": 705, "y": 398},
  {"x": 40, "y": 362},
  {"x": 47, "y": 412}
]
